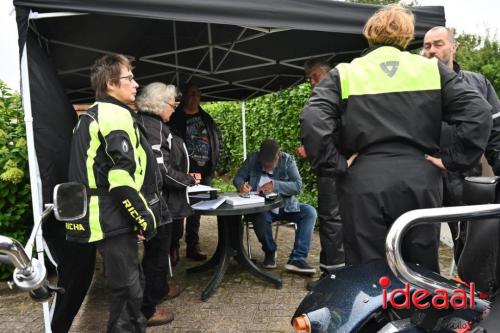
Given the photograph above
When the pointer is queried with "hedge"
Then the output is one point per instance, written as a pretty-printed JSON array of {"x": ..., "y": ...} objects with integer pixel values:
[{"x": 273, "y": 116}]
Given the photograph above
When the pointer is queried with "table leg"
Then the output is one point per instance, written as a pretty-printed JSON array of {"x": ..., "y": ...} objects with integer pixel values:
[
  {"x": 214, "y": 260},
  {"x": 236, "y": 236},
  {"x": 224, "y": 256}
]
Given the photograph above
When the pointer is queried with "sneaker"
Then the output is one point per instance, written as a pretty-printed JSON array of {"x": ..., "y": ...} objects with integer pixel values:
[
  {"x": 270, "y": 260},
  {"x": 160, "y": 317},
  {"x": 299, "y": 266}
]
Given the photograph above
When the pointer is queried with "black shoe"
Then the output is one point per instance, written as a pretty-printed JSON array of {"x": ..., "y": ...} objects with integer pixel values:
[
  {"x": 195, "y": 253},
  {"x": 270, "y": 260},
  {"x": 299, "y": 266}
]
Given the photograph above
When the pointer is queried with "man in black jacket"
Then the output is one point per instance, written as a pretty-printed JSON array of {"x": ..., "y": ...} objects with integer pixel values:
[
  {"x": 204, "y": 145},
  {"x": 330, "y": 223},
  {"x": 440, "y": 43}
]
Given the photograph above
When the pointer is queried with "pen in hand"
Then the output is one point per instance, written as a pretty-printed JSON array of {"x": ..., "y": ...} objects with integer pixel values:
[{"x": 245, "y": 187}]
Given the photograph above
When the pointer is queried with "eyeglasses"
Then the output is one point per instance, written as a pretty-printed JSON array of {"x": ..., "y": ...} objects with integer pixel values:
[
  {"x": 175, "y": 105},
  {"x": 128, "y": 77}
]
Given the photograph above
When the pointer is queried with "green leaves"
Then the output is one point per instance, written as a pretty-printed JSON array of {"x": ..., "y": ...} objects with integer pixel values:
[
  {"x": 15, "y": 196},
  {"x": 480, "y": 55},
  {"x": 273, "y": 116}
]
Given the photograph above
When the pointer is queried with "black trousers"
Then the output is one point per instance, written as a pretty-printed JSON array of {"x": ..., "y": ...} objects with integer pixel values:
[
  {"x": 125, "y": 278},
  {"x": 155, "y": 267},
  {"x": 75, "y": 269},
  {"x": 379, "y": 187},
  {"x": 193, "y": 221},
  {"x": 177, "y": 232},
  {"x": 453, "y": 196},
  {"x": 330, "y": 225}
]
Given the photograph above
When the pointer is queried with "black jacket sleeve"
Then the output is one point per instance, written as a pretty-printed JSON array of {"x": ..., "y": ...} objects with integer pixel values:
[
  {"x": 318, "y": 121},
  {"x": 465, "y": 109},
  {"x": 493, "y": 148},
  {"x": 171, "y": 177}
]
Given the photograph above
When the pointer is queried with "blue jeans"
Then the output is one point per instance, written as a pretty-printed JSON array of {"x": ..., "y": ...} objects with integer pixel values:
[{"x": 305, "y": 220}]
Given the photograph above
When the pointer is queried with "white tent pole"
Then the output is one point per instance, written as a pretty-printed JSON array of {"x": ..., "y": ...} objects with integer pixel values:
[
  {"x": 244, "y": 129},
  {"x": 35, "y": 182}
]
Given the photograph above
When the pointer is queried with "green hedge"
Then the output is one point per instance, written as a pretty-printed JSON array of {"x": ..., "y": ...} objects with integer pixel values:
[
  {"x": 15, "y": 196},
  {"x": 273, "y": 116}
]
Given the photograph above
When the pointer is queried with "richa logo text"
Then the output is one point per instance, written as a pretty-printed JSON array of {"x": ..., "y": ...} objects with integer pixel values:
[{"x": 423, "y": 299}]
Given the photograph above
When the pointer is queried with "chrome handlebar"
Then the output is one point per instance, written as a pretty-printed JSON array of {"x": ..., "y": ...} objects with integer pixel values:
[
  {"x": 427, "y": 216},
  {"x": 29, "y": 274}
]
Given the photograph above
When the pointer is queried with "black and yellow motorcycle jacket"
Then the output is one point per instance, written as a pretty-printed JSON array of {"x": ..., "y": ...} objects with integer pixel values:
[
  {"x": 111, "y": 156},
  {"x": 391, "y": 96}
]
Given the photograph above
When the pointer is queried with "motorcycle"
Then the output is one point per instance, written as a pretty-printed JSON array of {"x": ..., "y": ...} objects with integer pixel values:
[
  {"x": 392, "y": 296},
  {"x": 70, "y": 203}
]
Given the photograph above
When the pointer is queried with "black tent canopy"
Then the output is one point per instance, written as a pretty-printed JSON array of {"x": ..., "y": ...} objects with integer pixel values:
[{"x": 233, "y": 49}]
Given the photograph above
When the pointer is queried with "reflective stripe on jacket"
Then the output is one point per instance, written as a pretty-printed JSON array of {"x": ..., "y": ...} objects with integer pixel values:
[
  {"x": 392, "y": 96},
  {"x": 108, "y": 154}
]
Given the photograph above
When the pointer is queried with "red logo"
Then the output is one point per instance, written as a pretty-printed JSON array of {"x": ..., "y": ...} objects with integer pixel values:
[{"x": 420, "y": 297}]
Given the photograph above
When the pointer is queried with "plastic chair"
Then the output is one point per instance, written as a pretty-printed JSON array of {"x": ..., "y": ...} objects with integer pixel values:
[{"x": 277, "y": 224}]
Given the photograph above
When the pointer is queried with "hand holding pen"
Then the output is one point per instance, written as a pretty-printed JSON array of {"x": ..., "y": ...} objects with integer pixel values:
[{"x": 245, "y": 188}]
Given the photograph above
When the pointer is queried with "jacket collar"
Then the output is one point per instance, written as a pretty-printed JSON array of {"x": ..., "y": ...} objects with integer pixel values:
[
  {"x": 456, "y": 67},
  {"x": 375, "y": 47},
  {"x": 112, "y": 100}
]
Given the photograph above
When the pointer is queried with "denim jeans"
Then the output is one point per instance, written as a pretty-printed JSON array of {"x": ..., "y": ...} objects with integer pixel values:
[{"x": 305, "y": 220}]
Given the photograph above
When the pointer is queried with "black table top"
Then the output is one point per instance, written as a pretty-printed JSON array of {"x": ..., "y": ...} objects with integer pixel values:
[{"x": 226, "y": 209}]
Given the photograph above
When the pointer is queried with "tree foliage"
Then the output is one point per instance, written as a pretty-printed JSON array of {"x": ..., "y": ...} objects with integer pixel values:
[
  {"x": 480, "y": 55},
  {"x": 15, "y": 199}
]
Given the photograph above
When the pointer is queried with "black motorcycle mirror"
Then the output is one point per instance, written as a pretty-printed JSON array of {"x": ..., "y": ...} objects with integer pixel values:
[{"x": 70, "y": 203}]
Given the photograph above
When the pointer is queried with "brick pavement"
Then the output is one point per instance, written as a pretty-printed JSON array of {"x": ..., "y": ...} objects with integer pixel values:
[{"x": 242, "y": 303}]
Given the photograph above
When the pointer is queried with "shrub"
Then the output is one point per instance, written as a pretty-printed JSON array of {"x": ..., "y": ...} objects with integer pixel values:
[
  {"x": 15, "y": 195},
  {"x": 273, "y": 116}
]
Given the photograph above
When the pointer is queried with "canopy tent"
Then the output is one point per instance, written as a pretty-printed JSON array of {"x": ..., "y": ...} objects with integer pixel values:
[{"x": 233, "y": 49}]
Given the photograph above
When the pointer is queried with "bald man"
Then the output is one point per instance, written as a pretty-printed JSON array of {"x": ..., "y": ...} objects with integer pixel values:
[{"x": 440, "y": 43}]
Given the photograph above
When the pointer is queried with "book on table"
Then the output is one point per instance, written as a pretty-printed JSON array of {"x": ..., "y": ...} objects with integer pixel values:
[
  {"x": 209, "y": 204},
  {"x": 238, "y": 201}
]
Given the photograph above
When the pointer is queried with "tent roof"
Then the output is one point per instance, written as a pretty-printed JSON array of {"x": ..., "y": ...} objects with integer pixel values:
[{"x": 234, "y": 49}]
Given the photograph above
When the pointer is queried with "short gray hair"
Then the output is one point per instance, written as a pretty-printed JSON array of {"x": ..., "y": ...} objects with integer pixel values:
[
  {"x": 154, "y": 97},
  {"x": 321, "y": 63},
  {"x": 449, "y": 31}
]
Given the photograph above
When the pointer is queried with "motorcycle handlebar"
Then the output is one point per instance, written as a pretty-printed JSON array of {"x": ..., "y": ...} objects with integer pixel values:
[
  {"x": 30, "y": 274},
  {"x": 426, "y": 216}
]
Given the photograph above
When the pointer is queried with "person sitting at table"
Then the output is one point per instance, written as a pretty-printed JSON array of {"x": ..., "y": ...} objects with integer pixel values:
[{"x": 270, "y": 170}]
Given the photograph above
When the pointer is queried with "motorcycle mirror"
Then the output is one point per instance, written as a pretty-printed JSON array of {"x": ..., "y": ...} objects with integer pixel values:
[{"x": 70, "y": 201}]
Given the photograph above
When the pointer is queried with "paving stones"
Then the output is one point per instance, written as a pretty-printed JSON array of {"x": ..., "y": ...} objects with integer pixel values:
[{"x": 242, "y": 303}]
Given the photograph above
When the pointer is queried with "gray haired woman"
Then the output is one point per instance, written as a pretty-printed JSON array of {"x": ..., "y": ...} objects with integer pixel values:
[{"x": 156, "y": 104}]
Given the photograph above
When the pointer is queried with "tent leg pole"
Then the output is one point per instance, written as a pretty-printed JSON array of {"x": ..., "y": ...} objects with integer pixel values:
[
  {"x": 244, "y": 129},
  {"x": 35, "y": 180}
]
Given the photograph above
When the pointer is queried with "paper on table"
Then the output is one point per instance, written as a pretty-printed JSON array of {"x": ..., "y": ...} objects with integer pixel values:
[
  {"x": 209, "y": 204},
  {"x": 201, "y": 188}
]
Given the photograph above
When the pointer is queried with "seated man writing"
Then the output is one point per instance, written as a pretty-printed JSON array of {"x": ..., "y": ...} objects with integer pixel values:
[{"x": 270, "y": 170}]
